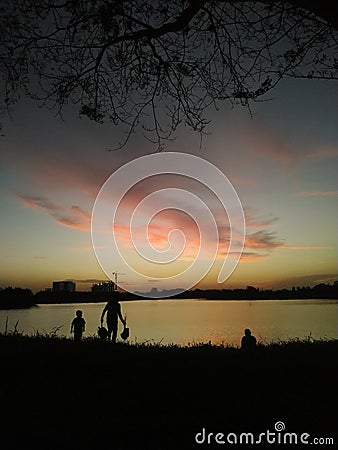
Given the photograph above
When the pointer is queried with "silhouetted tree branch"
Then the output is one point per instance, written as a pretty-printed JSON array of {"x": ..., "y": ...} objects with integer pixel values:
[{"x": 156, "y": 65}]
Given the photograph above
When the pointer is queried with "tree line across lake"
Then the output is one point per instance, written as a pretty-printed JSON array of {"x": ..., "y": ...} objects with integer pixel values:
[{"x": 15, "y": 297}]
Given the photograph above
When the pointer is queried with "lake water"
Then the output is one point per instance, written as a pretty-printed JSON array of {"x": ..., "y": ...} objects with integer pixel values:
[{"x": 192, "y": 321}]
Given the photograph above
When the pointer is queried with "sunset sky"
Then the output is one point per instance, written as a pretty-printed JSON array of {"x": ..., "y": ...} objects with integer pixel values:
[{"x": 282, "y": 162}]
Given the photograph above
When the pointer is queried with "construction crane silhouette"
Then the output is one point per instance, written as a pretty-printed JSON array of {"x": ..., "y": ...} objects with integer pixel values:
[{"x": 115, "y": 278}]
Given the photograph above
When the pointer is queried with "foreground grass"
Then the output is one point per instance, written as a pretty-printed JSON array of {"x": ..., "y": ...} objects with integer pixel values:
[{"x": 56, "y": 394}]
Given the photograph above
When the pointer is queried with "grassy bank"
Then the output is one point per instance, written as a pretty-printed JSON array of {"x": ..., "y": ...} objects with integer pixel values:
[{"x": 56, "y": 394}]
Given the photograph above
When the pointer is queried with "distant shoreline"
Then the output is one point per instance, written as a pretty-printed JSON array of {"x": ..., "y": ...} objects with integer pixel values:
[{"x": 17, "y": 298}]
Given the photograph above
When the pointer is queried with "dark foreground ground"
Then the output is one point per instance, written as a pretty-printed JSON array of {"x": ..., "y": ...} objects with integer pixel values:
[{"x": 55, "y": 394}]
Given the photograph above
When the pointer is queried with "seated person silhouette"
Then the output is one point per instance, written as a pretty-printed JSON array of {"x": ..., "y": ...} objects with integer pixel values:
[
  {"x": 113, "y": 310},
  {"x": 248, "y": 341}
]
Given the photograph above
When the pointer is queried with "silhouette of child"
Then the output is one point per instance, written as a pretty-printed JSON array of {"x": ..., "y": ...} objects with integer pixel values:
[
  {"x": 248, "y": 340},
  {"x": 78, "y": 326}
]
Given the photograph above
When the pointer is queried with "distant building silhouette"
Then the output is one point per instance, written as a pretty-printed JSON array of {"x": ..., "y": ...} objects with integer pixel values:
[
  {"x": 164, "y": 293},
  {"x": 107, "y": 286},
  {"x": 64, "y": 286}
]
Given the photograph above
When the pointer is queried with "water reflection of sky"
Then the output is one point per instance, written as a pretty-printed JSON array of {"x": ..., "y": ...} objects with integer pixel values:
[{"x": 192, "y": 321}]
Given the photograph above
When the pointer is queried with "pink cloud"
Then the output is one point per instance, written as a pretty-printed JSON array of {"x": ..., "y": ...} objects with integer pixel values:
[
  {"x": 250, "y": 256},
  {"x": 72, "y": 217},
  {"x": 256, "y": 220},
  {"x": 262, "y": 144},
  {"x": 158, "y": 232},
  {"x": 39, "y": 203},
  {"x": 262, "y": 240},
  {"x": 73, "y": 222}
]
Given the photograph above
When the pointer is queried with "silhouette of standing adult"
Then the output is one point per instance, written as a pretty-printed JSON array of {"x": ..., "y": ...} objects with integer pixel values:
[
  {"x": 248, "y": 340},
  {"x": 113, "y": 310}
]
